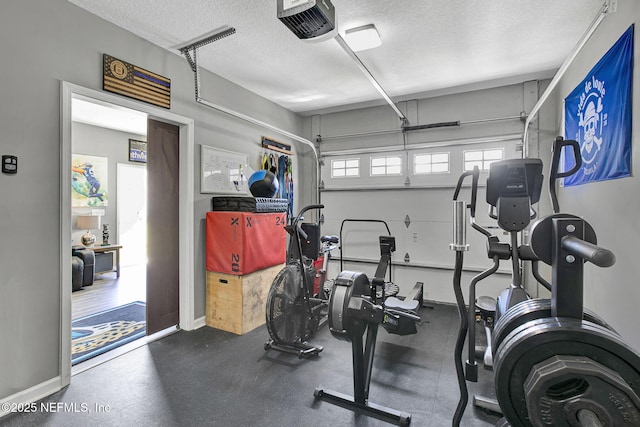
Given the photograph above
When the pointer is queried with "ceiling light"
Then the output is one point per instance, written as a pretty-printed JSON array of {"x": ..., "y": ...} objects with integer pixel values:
[{"x": 362, "y": 38}]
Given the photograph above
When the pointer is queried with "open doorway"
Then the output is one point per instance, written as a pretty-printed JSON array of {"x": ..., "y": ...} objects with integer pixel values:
[
  {"x": 109, "y": 193},
  {"x": 185, "y": 241}
]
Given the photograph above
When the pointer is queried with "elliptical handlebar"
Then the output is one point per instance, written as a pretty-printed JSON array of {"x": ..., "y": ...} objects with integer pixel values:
[
  {"x": 459, "y": 246},
  {"x": 557, "y": 147},
  {"x": 474, "y": 174}
]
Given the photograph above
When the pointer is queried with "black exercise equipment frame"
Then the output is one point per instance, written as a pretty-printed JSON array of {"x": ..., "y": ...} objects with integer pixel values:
[
  {"x": 496, "y": 251},
  {"x": 313, "y": 306},
  {"x": 565, "y": 242},
  {"x": 364, "y": 316},
  {"x": 380, "y": 221}
]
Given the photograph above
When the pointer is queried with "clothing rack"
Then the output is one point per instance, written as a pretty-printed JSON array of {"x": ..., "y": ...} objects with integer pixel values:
[
  {"x": 277, "y": 157},
  {"x": 277, "y": 146}
]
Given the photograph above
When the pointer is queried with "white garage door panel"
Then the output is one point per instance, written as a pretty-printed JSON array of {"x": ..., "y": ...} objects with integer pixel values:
[
  {"x": 428, "y": 205},
  {"x": 426, "y": 239}
]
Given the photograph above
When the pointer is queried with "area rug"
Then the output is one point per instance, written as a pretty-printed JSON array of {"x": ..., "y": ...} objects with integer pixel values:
[{"x": 100, "y": 332}]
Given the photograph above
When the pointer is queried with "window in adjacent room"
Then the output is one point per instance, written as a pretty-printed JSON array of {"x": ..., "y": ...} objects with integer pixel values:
[
  {"x": 345, "y": 168},
  {"x": 482, "y": 158},
  {"x": 386, "y": 166},
  {"x": 430, "y": 163}
]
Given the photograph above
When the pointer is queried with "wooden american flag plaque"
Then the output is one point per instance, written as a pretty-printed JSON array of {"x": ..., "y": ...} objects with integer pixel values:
[{"x": 134, "y": 82}]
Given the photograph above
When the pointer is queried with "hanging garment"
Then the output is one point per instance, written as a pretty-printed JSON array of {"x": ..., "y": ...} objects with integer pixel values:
[
  {"x": 289, "y": 185},
  {"x": 282, "y": 169}
]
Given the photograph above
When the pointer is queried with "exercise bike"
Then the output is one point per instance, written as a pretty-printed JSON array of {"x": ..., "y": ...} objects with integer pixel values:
[
  {"x": 358, "y": 306},
  {"x": 297, "y": 303}
]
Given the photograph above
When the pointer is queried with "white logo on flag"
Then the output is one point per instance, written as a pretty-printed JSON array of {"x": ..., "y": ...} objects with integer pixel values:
[{"x": 592, "y": 120}]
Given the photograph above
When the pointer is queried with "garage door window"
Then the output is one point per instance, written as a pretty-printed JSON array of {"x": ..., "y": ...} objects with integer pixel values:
[
  {"x": 386, "y": 166},
  {"x": 430, "y": 163},
  {"x": 345, "y": 168},
  {"x": 482, "y": 158}
]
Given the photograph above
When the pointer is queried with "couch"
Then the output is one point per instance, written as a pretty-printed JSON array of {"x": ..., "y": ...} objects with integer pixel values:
[{"x": 88, "y": 258}]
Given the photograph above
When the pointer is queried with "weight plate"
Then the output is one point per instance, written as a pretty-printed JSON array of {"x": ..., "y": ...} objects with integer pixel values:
[
  {"x": 562, "y": 387},
  {"x": 525, "y": 311},
  {"x": 541, "y": 240},
  {"x": 537, "y": 341}
]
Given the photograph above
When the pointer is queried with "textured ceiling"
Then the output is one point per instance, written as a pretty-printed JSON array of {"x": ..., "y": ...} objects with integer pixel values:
[{"x": 428, "y": 46}]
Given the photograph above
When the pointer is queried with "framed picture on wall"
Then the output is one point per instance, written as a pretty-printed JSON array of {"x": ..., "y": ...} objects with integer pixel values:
[
  {"x": 89, "y": 182},
  {"x": 137, "y": 151}
]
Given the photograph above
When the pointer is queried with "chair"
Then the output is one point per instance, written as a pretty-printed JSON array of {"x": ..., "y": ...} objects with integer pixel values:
[{"x": 88, "y": 257}]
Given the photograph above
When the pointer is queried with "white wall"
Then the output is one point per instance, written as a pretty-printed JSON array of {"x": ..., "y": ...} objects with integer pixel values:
[
  {"x": 611, "y": 207},
  {"x": 45, "y": 43},
  {"x": 114, "y": 145},
  {"x": 428, "y": 200}
]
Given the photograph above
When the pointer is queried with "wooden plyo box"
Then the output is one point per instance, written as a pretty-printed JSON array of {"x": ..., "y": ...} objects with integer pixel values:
[{"x": 237, "y": 304}]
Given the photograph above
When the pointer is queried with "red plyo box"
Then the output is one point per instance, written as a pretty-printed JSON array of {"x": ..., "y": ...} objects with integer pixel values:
[{"x": 243, "y": 242}]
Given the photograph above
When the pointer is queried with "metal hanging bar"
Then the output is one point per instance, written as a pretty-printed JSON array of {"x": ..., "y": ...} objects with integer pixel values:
[
  {"x": 343, "y": 44},
  {"x": 213, "y": 36},
  {"x": 190, "y": 53},
  {"x": 405, "y": 129},
  {"x": 606, "y": 8},
  {"x": 421, "y": 145}
]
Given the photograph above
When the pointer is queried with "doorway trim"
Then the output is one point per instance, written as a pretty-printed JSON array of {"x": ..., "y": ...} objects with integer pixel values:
[{"x": 186, "y": 201}]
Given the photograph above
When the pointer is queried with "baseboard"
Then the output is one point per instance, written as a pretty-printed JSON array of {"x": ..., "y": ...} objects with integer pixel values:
[
  {"x": 199, "y": 323},
  {"x": 29, "y": 395}
]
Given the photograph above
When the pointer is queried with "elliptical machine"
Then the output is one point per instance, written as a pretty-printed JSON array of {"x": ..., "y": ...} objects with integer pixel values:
[
  {"x": 555, "y": 362},
  {"x": 513, "y": 186}
]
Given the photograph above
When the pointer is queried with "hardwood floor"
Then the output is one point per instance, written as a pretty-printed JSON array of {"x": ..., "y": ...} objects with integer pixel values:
[{"x": 109, "y": 291}]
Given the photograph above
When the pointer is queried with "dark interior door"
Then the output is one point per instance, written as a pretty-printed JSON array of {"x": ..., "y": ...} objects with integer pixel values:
[{"x": 163, "y": 290}]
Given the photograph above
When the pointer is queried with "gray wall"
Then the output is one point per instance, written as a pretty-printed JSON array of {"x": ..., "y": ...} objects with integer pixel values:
[
  {"x": 114, "y": 145},
  {"x": 611, "y": 207},
  {"x": 45, "y": 43}
]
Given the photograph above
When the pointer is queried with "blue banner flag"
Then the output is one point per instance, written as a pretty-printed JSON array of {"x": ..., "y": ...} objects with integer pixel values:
[{"x": 598, "y": 115}]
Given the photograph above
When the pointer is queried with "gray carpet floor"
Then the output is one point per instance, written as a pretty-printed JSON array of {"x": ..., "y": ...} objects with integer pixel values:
[{"x": 211, "y": 377}]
